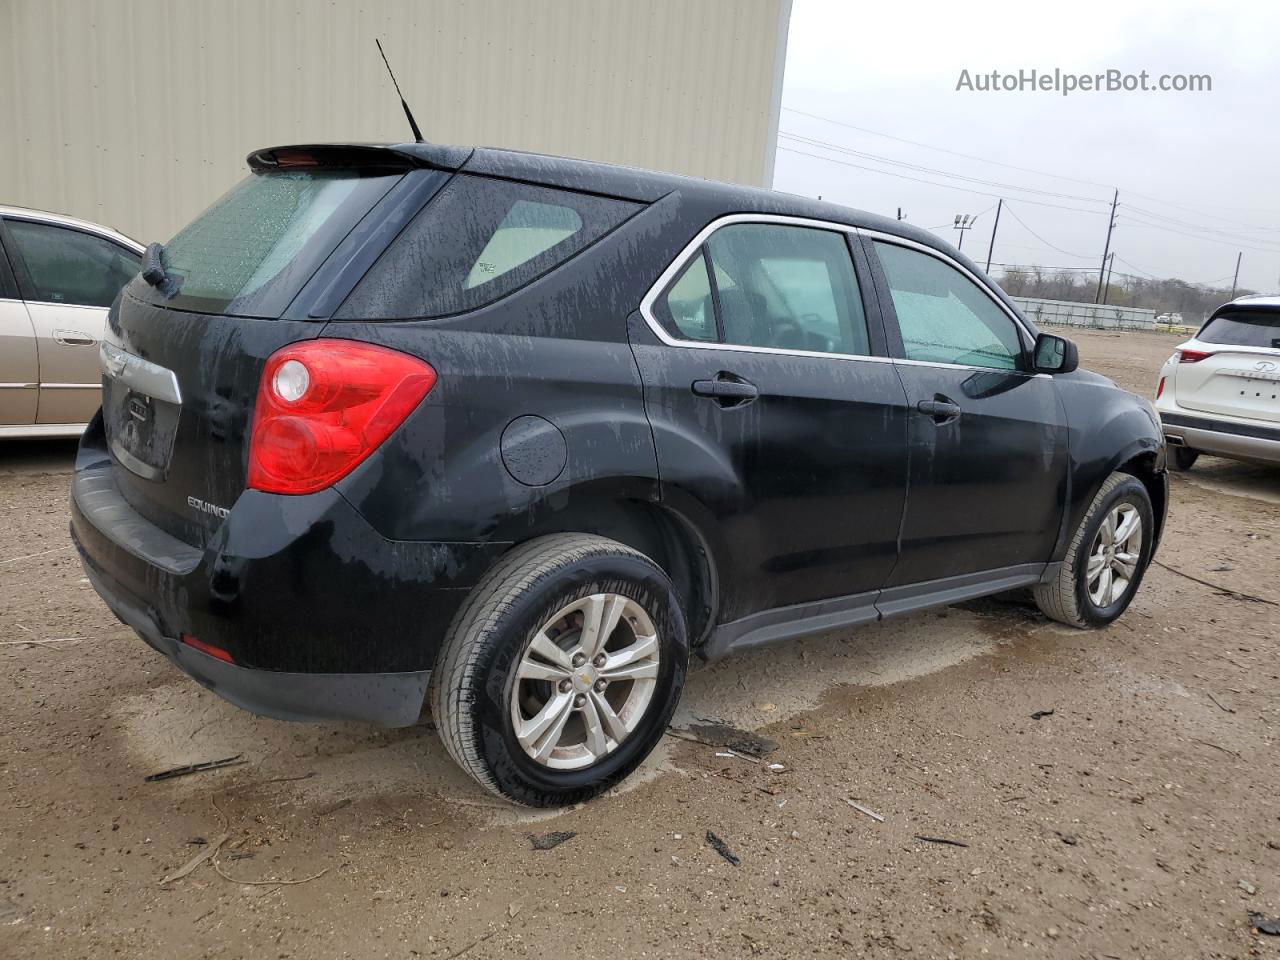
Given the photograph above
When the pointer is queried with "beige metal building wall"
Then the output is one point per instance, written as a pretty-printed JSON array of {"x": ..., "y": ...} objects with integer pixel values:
[{"x": 138, "y": 113}]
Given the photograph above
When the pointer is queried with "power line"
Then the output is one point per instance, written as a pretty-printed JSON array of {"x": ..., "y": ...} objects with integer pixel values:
[
  {"x": 932, "y": 183},
  {"x": 1011, "y": 166},
  {"x": 954, "y": 153},
  {"x": 1199, "y": 226},
  {"x": 1069, "y": 253},
  {"x": 1205, "y": 213},
  {"x": 1182, "y": 233},
  {"x": 840, "y": 148},
  {"x": 1207, "y": 234}
]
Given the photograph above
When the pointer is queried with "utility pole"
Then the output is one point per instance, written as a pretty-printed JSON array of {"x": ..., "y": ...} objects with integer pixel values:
[
  {"x": 1106, "y": 287},
  {"x": 994, "y": 227},
  {"x": 1236, "y": 278},
  {"x": 964, "y": 222},
  {"x": 899, "y": 213},
  {"x": 1111, "y": 225}
]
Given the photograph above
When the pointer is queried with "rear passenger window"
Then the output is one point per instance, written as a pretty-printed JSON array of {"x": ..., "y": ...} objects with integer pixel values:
[
  {"x": 791, "y": 288},
  {"x": 771, "y": 286},
  {"x": 688, "y": 304},
  {"x": 944, "y": 316},
  {"x": 479, "y": 240}
]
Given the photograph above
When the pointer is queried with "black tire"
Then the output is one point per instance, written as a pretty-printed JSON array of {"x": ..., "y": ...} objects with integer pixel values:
[
  {"x": 471, "y": 685},
  {"x": 1183, "y": 458},
  {"x": 1066, "y": 598}
]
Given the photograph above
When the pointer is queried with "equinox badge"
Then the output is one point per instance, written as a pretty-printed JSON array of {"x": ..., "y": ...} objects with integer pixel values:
[{"x": 195, "y": 503}]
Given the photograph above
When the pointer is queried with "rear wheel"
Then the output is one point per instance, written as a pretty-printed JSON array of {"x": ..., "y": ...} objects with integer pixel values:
[
  {"x": 1183, "y": 457},
  {"x": 561, "y": 671},
  {"x": 1106, "y": 559}
]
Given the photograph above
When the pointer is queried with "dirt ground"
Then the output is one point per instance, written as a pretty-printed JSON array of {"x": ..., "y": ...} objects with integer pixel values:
[{"x": 1139, "y": 819}]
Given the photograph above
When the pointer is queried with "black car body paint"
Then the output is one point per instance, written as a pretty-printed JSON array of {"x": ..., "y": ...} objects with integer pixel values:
[{"x": 828, "y": 499}]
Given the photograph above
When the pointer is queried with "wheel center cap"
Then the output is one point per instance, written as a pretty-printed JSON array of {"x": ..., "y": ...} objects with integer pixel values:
[{"x": 584, "y": 677}]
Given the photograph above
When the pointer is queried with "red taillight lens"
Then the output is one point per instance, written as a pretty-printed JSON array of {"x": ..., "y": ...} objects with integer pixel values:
[
  {"x": 324, "y": 406},
  {"x": 1160, "y": 388},
  {"x": 1193, "y": 356}
]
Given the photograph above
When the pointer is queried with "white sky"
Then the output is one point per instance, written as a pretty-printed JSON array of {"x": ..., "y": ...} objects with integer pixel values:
[{"x": 1210, "y": 160}]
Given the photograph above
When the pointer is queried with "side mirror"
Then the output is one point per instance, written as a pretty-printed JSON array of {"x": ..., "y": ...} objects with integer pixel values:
[{"x": 1055, "y": 354}]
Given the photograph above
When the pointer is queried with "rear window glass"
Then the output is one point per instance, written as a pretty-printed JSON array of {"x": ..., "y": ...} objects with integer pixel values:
[
  {"x": 477, "y": 241},
  {"x": 251, "y": 252},
  {"x": 1243, "y": 329}
]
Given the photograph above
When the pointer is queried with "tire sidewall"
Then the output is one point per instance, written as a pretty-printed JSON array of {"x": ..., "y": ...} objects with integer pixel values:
[
  {"x": 1133, "y": 492},
  {"x": 520, "y": 776},
  {"x": 1183, "y": 458}
]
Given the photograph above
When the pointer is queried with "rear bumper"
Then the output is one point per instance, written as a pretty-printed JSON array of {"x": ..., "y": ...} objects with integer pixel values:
[
  {"x": 384, "y": 699},
  {"x": 1223, "y": 438},
  {"x": 321, "y": 616}
]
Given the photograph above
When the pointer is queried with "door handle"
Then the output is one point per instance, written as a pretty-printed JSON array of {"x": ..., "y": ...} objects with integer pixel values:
[
  {"x": 727, "y": 389},
  {"x": 940, "y": 408},
  {"x": 73, "y": 338}
]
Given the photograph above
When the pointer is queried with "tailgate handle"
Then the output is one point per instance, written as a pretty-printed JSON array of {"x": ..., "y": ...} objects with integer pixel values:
[
  {"x": 139, "y": 375},
  {"x": 942, "y": 409}
]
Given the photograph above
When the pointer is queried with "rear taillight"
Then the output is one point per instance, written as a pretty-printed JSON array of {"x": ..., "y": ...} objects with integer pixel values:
[
  {"x": 1160, "y": 388},
  {"x": 1193, "y": 356},
  {"x": 324, "y": 406}
]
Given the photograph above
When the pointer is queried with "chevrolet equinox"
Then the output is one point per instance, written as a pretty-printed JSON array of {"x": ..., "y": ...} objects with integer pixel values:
[{"x": 512, "y": 435}]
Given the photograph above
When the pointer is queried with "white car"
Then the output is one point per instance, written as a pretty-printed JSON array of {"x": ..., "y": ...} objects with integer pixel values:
[
  {"x": 1220, "y": 391},
  {"x": 58, "y": 276}
]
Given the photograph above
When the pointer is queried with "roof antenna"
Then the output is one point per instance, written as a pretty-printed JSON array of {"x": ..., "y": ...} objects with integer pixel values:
[{"x": 413, "y": 124}]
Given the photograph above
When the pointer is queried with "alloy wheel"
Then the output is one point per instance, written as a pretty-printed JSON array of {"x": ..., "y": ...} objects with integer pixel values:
[
  {"x": 1114, "y": 556},
  {"x": 584, "y": 681}
]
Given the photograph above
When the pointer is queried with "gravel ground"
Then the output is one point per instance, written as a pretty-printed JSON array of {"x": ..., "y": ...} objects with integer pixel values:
[{"x": 1139, "y": 819}]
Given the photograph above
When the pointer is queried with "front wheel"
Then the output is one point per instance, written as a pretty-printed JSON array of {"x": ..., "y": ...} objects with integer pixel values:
[
  {"x": 561, "y": 671},
  {"x": 1108, "y": 555}
]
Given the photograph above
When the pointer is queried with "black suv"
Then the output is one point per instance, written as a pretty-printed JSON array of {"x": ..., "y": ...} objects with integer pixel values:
[{"x": 514, "y": 434}]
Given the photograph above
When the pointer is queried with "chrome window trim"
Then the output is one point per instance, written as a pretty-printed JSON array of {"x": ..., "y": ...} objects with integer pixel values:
[
  {"x": 687, "y": 253},
  {"x": 18, "y": 386},
  {"x": 71, "y": 223},
  {"x": 70, "y": 386},
  {"x": 63, "y": 306}
]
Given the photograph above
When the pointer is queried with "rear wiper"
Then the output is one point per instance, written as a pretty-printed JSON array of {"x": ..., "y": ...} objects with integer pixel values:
[{"x": 152, "y": 266}]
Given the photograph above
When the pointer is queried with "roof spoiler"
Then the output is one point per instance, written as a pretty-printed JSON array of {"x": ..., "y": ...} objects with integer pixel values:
[{"x": 388, "y": 157}]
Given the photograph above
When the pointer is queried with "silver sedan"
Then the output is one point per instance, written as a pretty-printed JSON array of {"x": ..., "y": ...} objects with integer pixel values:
[{"x": 58, "y": 276}]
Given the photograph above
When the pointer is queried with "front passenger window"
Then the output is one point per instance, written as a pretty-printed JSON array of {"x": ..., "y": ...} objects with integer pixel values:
[
  {"x": 69, "y": 266},
  {"x": 943, "y": 316}
]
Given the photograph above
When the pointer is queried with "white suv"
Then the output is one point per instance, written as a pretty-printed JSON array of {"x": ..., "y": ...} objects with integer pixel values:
[{"x": 1220, "y": 391}]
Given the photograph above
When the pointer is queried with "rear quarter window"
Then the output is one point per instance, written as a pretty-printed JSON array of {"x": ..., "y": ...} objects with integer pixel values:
[
  {"x": 1243, "y": 328},
  {"x": 477, "y": 241}
]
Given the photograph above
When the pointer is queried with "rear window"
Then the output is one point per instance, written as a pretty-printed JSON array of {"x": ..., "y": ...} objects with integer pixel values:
[
  {"x": 477, "y": 241},
  {"x": 251, "y": 252},
  {"x": 1243, "y": 328}
]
